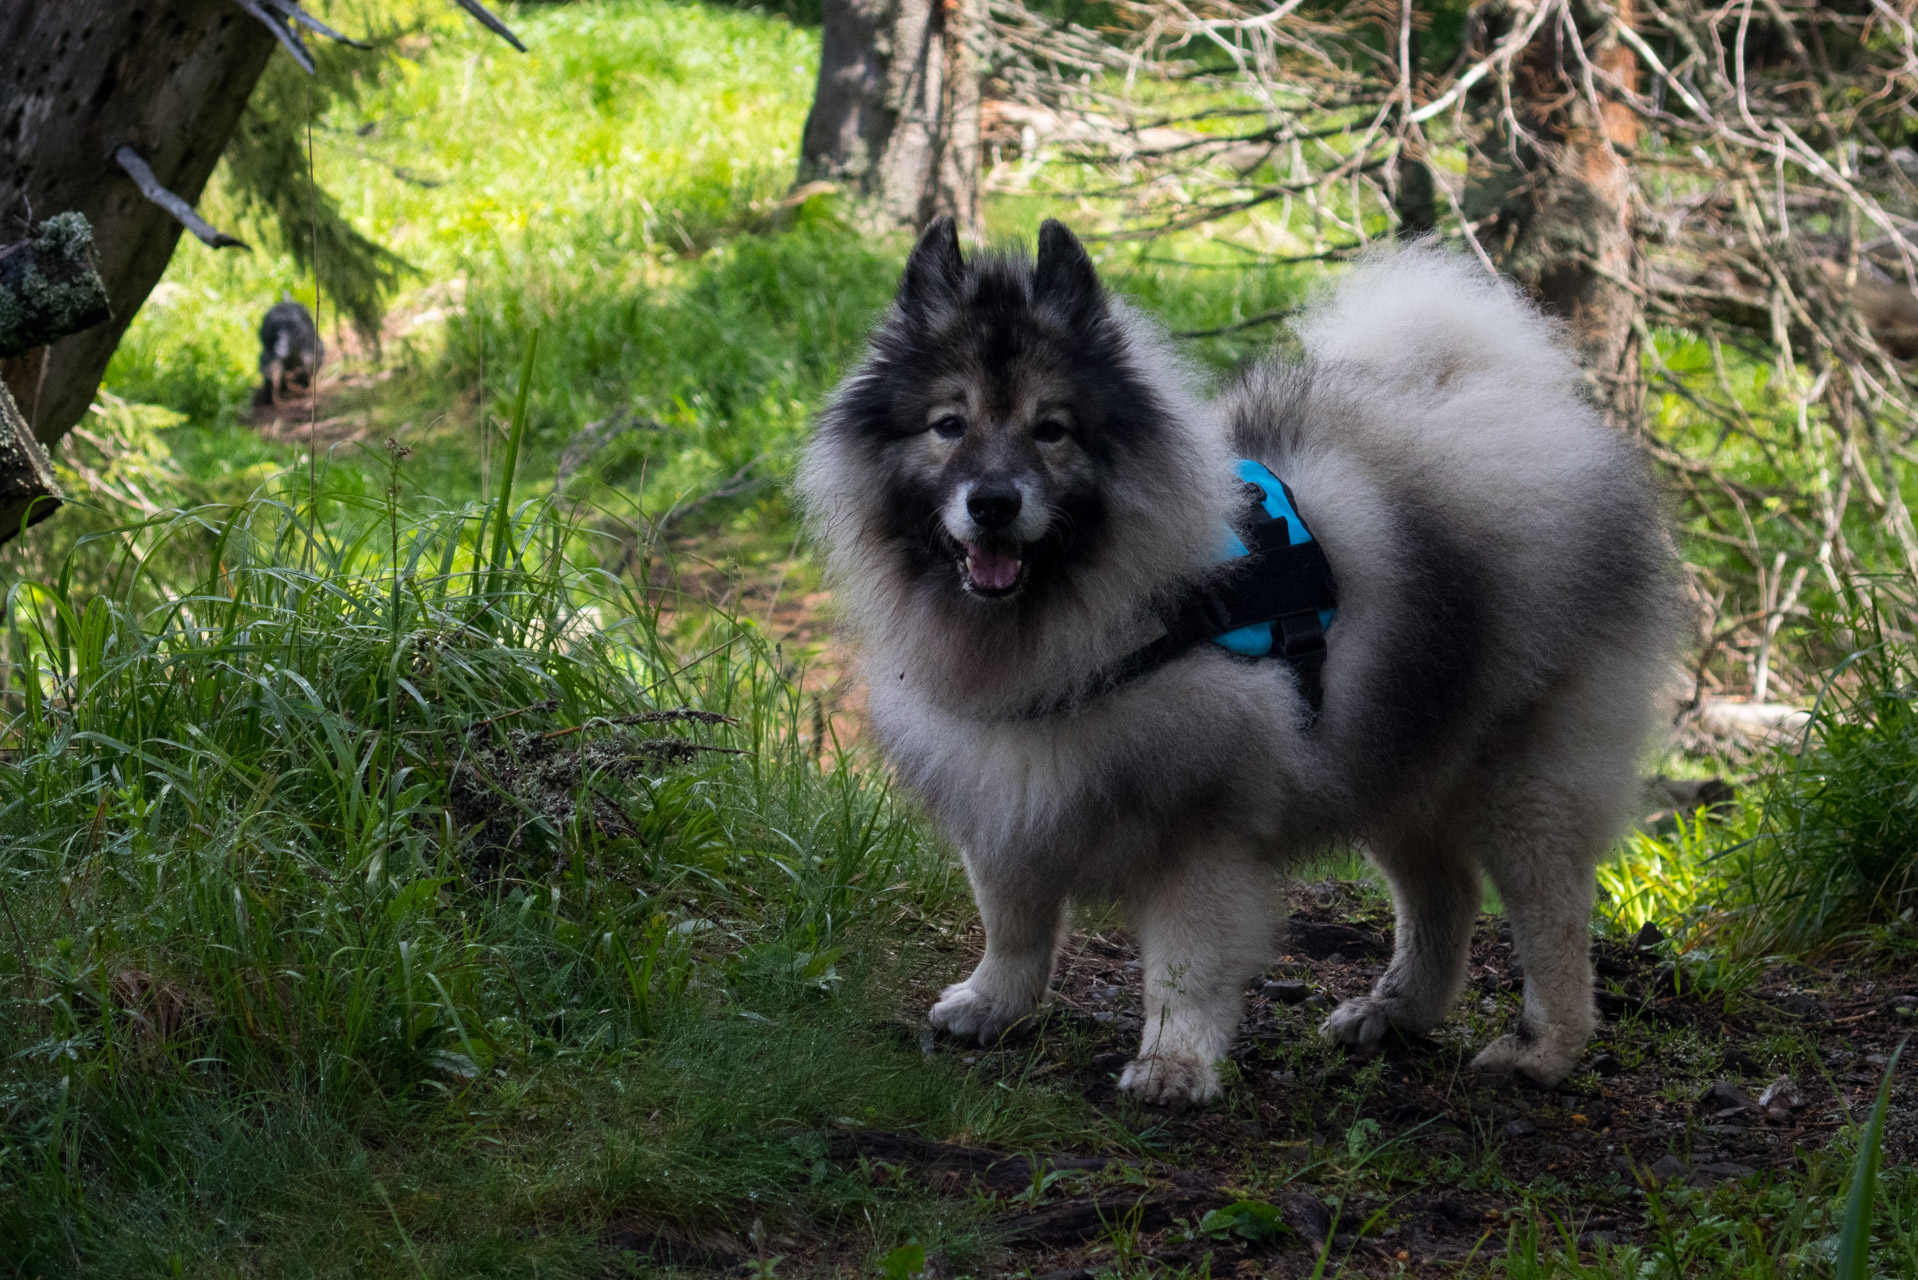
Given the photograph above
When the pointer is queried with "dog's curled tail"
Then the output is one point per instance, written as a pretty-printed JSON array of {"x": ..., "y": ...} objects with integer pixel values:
[{"x": 1420, "y": 312}]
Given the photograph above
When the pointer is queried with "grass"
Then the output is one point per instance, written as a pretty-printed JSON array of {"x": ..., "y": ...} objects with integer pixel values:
[
  {"x": 369, "y": 910},
  {"x": 1824, "y": 850},
  {"x": 258, "y": 975}
]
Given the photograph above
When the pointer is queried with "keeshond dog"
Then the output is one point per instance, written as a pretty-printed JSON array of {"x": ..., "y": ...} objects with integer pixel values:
[
  {"x": 290, "y": 354},
  {"x": 1020, "y": 480}
]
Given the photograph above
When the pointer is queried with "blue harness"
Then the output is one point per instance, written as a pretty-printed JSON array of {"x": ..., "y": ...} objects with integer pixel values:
[
  {"x": 1276, "y": 600},
  {"x": 1256, "y": 640}
]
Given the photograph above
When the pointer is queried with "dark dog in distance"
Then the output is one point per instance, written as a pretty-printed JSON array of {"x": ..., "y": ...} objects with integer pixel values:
[{"x": 290, "y": 355}]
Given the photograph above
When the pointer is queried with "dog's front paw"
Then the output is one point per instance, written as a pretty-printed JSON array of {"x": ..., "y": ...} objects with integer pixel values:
[
  {"x": 964, "y": 1010},
  {"x": 1537, "y": 1057},
  {"x": 1170, "y": 1080},
  {"x": 1364, "y": 1021}
]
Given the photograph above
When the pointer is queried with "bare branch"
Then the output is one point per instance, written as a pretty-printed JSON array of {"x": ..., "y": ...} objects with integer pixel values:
[
  {"x": 142, "y": 173},
  {"x": 287, "y": 37},
  {"x": 491, "y": 23}
]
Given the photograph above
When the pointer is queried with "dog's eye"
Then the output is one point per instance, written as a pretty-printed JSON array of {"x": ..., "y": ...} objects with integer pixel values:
[
  {"x": 1051, "y": 431},
  {"x": 949, "y": 427}
]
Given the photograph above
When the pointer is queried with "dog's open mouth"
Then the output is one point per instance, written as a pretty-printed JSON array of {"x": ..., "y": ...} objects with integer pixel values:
[{"x": 993, "y": 571}]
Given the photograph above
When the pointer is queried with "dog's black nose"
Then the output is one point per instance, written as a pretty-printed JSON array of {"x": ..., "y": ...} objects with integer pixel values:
[{"x": 993, "y": 505}]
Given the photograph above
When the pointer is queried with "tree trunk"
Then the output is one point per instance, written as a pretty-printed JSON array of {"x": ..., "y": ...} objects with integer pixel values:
[
  {"x": 1564, "y": 220},
  {"x": 896, "y": 113},
  {"x": 82, "y": 77},
  {"x": 28, "y": 491}
]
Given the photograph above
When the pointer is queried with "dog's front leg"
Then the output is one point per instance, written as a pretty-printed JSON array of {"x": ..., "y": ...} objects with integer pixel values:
[
  {"x": 1022, "y": 915},
  {"x": 1204, "y": 928}
]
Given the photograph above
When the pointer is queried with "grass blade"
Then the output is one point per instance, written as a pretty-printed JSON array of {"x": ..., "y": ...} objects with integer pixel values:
[
  {"x": 503, "y": 517},
  {"x": 1854, "y": 1236}
]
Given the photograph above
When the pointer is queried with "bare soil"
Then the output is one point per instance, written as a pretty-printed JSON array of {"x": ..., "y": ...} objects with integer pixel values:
[{"x": 1669, "y": 1093}]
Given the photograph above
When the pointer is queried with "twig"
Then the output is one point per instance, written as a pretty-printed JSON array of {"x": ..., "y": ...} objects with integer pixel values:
[{"x": 142, "y": 173}]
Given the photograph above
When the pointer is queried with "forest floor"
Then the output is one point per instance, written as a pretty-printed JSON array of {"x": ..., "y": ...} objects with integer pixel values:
[{"x": 1688, "y": 1108}]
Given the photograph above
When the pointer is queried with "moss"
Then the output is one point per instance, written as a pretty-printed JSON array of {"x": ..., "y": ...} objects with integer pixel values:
[{"x": 48, "y": 285}]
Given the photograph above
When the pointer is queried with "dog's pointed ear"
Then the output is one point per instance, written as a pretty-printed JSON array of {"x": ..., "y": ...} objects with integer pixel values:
[
  {"x": 1065, "y": 276},
  {"x": 935, "y": 270}
]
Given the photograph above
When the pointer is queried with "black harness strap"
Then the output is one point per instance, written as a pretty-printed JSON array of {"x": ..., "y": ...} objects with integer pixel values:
[{"x": 1280, "y": 582}]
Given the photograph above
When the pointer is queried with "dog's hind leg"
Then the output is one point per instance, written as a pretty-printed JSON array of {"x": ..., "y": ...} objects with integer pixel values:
[
  {"x": 1204, "y": 928},
  {"x": 1541, "y": 851},
  {"x": 1435, "y": 892},
  {"x": 1023, "y": 916}
]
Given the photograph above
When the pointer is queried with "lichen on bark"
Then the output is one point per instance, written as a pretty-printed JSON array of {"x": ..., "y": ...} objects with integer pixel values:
[{"x": 49, "y": 286}]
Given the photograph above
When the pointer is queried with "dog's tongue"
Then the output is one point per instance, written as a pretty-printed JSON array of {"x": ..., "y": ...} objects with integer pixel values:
[{"x": 990, "y": 568}]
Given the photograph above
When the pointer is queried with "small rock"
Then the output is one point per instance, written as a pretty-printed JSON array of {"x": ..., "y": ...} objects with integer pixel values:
[
  {"x": 1608, "y": 1064},
  {"x": 1504, "y": 932},
  {"x": 1706, "y": 1174},
  {"x": 1288, "y": 992},
  {"x": 1318, "y": 1001},
  {"x": 1743, "y": 1063},
  {"x": 1724, "y": 1099},
  {"x": 1308, "y": 1216},
  {"x": 1285, "y": 1077},
  {"x": 1105, "y": 1016},
  {"x": 1667, "y": 1167},
  {"x": 1520, "y": 1129},
  {"x": 1337, "y": 957},
  {"x": 1648, "y": 936},
  {"x": 1782, "y": 1092},
  {"x": 1801, "y": 1005},
  {"x": 928, "y": 1043}
]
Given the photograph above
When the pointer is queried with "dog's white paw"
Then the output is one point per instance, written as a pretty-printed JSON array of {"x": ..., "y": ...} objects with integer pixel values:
[
  {"x": 964, "y": 1010},
  {"x": 1170, "y": 1079},
  {"x": 1364, "y": 1021},
  {"x": 1535, "y": 1057}
]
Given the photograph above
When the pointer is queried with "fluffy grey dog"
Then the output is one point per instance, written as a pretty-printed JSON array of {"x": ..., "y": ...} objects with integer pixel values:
[{"x": 1017, "y": 480}]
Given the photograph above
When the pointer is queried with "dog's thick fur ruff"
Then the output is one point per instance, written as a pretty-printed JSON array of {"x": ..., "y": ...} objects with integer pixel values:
[{"x": 1506, "y": 611}]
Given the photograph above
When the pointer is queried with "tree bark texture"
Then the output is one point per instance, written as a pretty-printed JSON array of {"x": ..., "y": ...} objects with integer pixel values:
[
  {"x": 1564, "y": 208},
  {"x": 49, "y": 287},
  {"x": 896, "y": 114},
  {"x": 80, "y": 78},
  {"x": 28, "y": 489}
]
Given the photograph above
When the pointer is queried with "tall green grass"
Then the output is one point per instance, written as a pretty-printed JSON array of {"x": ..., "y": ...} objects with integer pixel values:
[
  {"x": 274, "y": 997},
  {"x": 1837, "y": 847},
  {"x": 1823, "y": 848}
]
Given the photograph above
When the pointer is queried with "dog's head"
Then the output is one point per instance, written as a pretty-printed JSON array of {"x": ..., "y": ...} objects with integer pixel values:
[
  {"x": 1004, "y": 409},
  {"x": 1014, "y": 475}
]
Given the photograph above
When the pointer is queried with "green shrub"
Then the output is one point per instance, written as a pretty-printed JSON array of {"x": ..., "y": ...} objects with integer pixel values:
[{"x": 1837, "y": 845}]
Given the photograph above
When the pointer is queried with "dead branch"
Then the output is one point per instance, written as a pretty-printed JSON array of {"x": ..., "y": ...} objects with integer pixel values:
[{"x": 142, "y": 173}]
